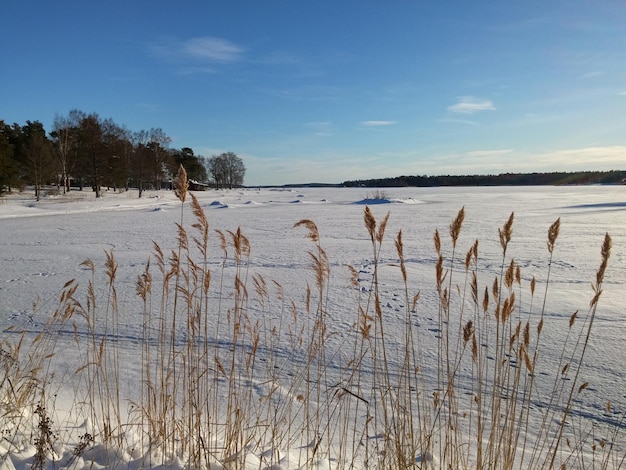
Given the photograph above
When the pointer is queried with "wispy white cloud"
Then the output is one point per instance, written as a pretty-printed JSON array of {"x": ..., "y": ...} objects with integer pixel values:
[
  {"x": 377, "y": 123},
  {"x": 489, "y": 153},
  {"x": 482, "y": 162},
  {"x": 587, "y": 76},
  {"x": 623, "y": 93},
  {"x": 318, "y": 124},
  {"x": 204, "y": 49},
  {"x": 196, "y": 70},
  {"x": 212, "y": 49},
  {"x": 306, "y": 93},
  {"x": 321, "y": 128},
  {"x": 471, "y": 105},
  {"x": 466, "y": 122},
  {"x": 588, "y": 158},
  {"x": 600, "y": 158}
]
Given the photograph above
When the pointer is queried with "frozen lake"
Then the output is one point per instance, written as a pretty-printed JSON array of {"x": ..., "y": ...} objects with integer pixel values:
[{"x": 43, "y": 245}]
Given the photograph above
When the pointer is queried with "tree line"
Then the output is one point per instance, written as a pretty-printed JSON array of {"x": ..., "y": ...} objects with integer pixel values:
[
  {"x": 503, "y": 179},
  {"x": 85, "y": 150}
]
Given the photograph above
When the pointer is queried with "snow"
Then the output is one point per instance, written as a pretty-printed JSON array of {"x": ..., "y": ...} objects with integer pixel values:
[{"x": 44, "y": 243}]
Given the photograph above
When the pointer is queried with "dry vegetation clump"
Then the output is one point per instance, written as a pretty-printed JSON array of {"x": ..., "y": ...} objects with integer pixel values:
[
  {"x": 377, "y": 195},
  {"x": 233, "y": 367}
]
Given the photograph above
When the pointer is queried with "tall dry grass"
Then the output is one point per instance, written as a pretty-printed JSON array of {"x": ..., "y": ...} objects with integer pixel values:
[{"x": 237, "y": 373}]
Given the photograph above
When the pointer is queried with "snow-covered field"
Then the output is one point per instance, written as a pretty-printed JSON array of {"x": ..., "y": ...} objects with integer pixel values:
[{"x": 42, "y": 246}]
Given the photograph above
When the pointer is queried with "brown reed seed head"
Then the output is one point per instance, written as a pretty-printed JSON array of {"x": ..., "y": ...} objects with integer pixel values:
[
  {"x": 314, "y": 233},
  {"x": 553, "y": 233},
  {"x": 202, "y": 222},
  {"x": 240, "y": 243},
  {"x": 260, "y": 286},
  {"x": 527, "y": 334},
  {"x": 472, "y": 254},
  {"x": 529, "y": 364},
  {"x": 279, "y": 290},
  {"x": 507, "y": 308},
  {"x": 606, "y": 253},
  {"x": 474, "y": 349},
  {"x": 160, "y": 256},
  {"x": 514, "y": 336},
  {"x": 111, "y": 266},
  {"x": 364, "y": 323},
  {"x": 508, "y": 278},
  {"x": 468, "y": 331},
  {"x": 370, "y": 222},
  {"x": 400, "y": 251},
  {"x": 606, "y": 247},
  {"x": 222, "y": 237},
  {"x": 144, "y": 284},
  {"x": 321, "y": 267},
  {"x": 437, "y": 240},
  {"x": 377, "y": 306},
  {"x": 486, "y": 300},
  {"x": 354, "y": 276},
  {"x": 182, "y": 237},
  {"x": 439, "y": 272},
  {"x": 381, "y": 228},
  {"x": 474, "y": 287},
  {"x": 89, "y": 264},
  {"x": 181, "y": 184},
  {"x": 455, "y": 226},
  {"x": 506, "y": 232}
]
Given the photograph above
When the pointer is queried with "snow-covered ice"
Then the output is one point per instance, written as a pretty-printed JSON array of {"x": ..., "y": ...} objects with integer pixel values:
[{"x": 42, "y": 246}]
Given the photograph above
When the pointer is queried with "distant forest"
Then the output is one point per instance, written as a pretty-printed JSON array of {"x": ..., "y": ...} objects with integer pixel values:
[{"x": 504, "y": 179}]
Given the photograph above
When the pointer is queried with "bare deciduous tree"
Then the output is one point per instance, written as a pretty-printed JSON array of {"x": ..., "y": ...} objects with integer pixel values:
[
  {"x": 64, "y": 135},
  {"x": 159, "y": 142},
  {"x": 227, "y": 170}
]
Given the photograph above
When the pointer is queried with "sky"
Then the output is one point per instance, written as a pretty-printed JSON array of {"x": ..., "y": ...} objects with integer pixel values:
[{"x": 329, "y": 91}]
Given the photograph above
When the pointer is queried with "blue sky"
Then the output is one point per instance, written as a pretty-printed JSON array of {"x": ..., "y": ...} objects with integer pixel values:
[{"x": 328, "y": 91}]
